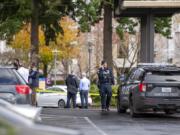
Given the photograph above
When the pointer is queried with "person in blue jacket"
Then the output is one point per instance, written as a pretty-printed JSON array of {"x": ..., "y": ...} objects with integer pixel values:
[{"x": 33, "y": 81}]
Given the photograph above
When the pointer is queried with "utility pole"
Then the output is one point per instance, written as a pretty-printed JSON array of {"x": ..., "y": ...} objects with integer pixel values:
[
  {"x": 90, "y": 52},
  {"x": 55, "y": 51},
  {"x": 107, "y": 33},
  {"x": 34, "y": 33},
  {"x": 34, "y": 52}
]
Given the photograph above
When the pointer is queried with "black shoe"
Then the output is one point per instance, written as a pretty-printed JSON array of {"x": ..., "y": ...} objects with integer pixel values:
[{"x": 108, "y": 109}]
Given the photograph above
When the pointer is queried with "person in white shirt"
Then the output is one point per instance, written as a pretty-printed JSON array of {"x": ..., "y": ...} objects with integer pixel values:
[
  {"x": 24, "y": 72},
  {"x": 84, "y": 87}
]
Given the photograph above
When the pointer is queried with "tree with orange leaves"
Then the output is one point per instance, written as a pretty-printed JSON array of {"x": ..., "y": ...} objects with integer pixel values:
[
  {"x": 67, "y": 42},
  {"x": 21, "y": 45}
]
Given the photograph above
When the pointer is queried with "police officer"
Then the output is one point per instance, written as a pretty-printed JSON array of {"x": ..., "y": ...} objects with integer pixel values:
[
  {"x": 72, "y": 89},
  {"x": 106, "y": 79}
]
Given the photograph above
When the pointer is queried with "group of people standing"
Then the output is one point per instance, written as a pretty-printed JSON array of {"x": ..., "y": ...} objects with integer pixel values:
[
  {"x": 105, "y": 81},
  {"x": 30, "y": 76},
  {"x": 72, "y": 87}
]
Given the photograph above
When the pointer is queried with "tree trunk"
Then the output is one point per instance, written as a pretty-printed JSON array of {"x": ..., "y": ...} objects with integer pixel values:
[
  {"x": 45, "y": 70},
  {"x": 108, "y": 35},
  {"x": 34, "y": 33},
  {"x": 34, "y": 42}
]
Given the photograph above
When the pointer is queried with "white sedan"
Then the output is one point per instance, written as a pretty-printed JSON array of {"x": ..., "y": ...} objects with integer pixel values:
[{"x": 56, "y": 96}]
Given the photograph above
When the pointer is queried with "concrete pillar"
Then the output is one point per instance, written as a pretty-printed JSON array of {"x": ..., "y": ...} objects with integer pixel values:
[{"x": 147, "y": 39}]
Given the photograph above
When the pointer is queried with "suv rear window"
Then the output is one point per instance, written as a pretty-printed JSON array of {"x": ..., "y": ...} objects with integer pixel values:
[
  {"x": 162, "y": 76},
  {"x": 8, "y": 77}
]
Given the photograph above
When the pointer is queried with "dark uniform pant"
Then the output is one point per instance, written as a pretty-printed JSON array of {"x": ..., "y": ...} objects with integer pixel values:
[
  {"x": 106, "y": 94},
  {"x": 84, "y": 97},
  {"x": 69, "y": 97}
]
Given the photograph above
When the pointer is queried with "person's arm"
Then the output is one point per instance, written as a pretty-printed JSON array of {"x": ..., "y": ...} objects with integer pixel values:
[
  {"x": 100, "y": 73},
  {"x": 66, "y": 82},
  {"x": 80, "y": 85},
  {"x": 99, "y": 78},
  {"x": 76, "y": 82},
  {"x": 89, "y": 84},
  {"x": 32, "y": 74},
  {"x": 112, "y": 77}
]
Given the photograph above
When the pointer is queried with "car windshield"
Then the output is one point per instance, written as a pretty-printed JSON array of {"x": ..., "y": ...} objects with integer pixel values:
[
  {"x": 162, "y": 76},
  {"x": 8, "y": 77}
]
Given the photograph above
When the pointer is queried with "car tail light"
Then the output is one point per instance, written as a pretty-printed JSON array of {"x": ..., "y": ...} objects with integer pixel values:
[
  {"x": 23, "y": 89},
  {"x": 142, "y": 87}
]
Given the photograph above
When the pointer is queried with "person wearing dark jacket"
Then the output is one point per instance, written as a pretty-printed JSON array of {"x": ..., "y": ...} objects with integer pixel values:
[
  {"x": 33, "y": 76},
  {"x": 33, "y": 82},
  {"x": 72, "y": 89},
  {"x": 106, "y": 79}
]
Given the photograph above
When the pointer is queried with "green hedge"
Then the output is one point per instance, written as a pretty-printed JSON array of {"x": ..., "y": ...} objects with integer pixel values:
[{"x": 96, "y": 98}]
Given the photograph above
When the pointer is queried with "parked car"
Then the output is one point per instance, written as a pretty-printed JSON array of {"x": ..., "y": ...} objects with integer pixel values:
[
  {"x": 12, "y": 122},
  {"x": 56, "y": 96},
  {"x": 13, "y": 87},
  {"x": 27, "y": 111},
  {"x": 150, "y": 87}
]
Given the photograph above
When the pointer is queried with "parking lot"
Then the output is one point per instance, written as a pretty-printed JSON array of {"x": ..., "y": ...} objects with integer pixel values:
[{"x": 92, "y": 122}]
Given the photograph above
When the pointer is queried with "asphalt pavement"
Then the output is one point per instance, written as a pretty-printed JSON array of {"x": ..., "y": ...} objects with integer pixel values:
[{"x": 93, "y": 122}]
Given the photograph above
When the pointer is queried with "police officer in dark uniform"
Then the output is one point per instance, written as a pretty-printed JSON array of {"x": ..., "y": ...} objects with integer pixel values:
[{"x": 106, "y": 79}]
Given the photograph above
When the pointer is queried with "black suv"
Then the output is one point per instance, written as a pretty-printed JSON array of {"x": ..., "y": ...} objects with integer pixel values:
[
  {"x": 13, "y": 88},
  {"x": 150, "y": 87}
]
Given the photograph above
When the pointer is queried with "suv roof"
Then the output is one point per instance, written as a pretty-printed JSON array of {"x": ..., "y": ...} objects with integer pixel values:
[
  {"x": 158, "y": 67},
  {"x": 155, "y": 64},
  {"x": 9, "y": 67}
]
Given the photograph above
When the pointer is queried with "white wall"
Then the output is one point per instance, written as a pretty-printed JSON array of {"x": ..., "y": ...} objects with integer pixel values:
[{"x": 2, "y": 46}]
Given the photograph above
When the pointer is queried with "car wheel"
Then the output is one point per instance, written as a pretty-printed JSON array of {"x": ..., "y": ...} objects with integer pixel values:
[
  {"x": 131, "y": 107},
  {"x": 120, "y": 109},
  {"x": 61, "y": 104}
]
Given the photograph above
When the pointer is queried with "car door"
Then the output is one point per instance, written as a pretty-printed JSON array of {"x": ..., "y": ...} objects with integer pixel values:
[
  {"x": 47, "y": 97},
  {"x": 124, "y": 98},
  {"x": 43, "y": 98},
  {"x": 124, "y": 93},
  {"x": 135, "y": 84},
  {"x": 132, "y": 84},
  {"x": 61, "y": 94}
]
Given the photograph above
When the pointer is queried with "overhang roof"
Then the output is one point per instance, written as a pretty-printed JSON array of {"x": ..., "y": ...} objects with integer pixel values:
[
  {"x": 152, "y": 4},
  {"x": 140, "y": 8}
]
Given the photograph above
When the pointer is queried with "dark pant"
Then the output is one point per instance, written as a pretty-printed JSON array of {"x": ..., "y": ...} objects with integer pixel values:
[
  {"x": 33, "y": 96},
  {"x": 69, "y": 97},
  {"x": 106, "y": 94},
  {"x": 84, "y": 97}
]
